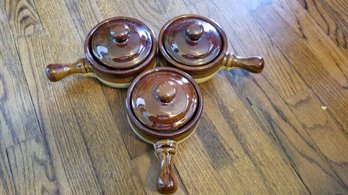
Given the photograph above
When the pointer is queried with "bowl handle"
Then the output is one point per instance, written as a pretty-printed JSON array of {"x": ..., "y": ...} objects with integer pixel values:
[
  {"x": 254, "y": 64},
  {"x": 165, "y": 150},
  {"x": 56, "y": 72}
]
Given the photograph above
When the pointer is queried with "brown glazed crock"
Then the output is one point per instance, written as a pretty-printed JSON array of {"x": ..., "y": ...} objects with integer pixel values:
[
  {"x": 198, "y": 46},
  {"x": 116, "y": 51},
  {"x": 163, "y": 106}
]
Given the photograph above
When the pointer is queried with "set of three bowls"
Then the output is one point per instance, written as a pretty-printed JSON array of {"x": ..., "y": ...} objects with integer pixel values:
[{"x": 164, "y": 103}]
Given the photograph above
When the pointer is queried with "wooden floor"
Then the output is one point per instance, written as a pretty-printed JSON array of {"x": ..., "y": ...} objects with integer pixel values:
[{"x": 284, "y": 131}]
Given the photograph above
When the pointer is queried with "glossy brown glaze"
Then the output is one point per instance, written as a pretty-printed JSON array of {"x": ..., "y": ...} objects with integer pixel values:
[
  {"x": 165, "y": 151},
  {"x": 253, "y": 64},
  {"x": 124, "y": 78},
  {"x": 56, "y": 72},
  {"x": 195, "y": 73},
  {"x": 150, "y": 138},
  {"x": 165, "y": 49},
  {"x": 101, "y": 69},
  {"x": 198, "y": 46},
  {"x": 165, "y": 90},
  {"x": 117, "y": 50},
  {"x": 194, "y": 31},
  {"x": 182, "y": 120},
  {"x": 192, "y": 41},
  {"x": 121, "y": 43},
  {"x": 164, "y": 100},
  {"x": 120, "y": 33}
]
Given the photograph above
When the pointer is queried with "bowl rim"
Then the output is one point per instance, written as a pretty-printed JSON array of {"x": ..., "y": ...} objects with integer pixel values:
[
  {"x": 166, "y": 134},
  {"x": 104, "y": 69},
  {"x": 185, "y": 67}
]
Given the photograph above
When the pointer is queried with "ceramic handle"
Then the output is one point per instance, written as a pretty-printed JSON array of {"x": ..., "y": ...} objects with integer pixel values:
[
  {"x": 165, "y": 151},
  {"x": 253, "y": 64},
  {"x": 56, "y": 72}
]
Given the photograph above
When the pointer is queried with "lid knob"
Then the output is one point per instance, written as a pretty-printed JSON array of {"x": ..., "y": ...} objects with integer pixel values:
[
  {"x": 120, "y": 33},
  {"x": 166, "y": 91},
  {"x": 194, "y": 31}
]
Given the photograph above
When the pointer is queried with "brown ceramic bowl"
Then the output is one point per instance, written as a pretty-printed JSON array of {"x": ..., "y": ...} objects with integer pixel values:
[
  {"x": 116, "y": 51},
  {"x": 198, "y": 46},
  {"x": 163, "y": 107}
]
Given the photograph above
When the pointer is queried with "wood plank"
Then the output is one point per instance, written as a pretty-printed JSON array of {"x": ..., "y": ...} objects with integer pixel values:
[
  {"x": 295, "y": 50},
  {"x": 335, "y": 61},
  {"x": 6, "y": 181},
  {"x": 330, "y": 94},
  {"x": 74, "y": 167},
  {"x": 84, "y": 14},
  {"x": 153, "y": 12},
  {"x": 18, "y": 120},
  {"x": 87, "y": 153},
  {"x": 75, "y": 171},
  {"x": 195, "y": 168},
  {"x": 22, "y": 16},
  {"x": 330, "y": 140},
  {"x": 302, "y": 150},
  {"x": 252, "y": 40},
  {"x": 31, "y": 167},
  {"x": 73, "y": 122},
  {"x": 241, "y": 133},
  {"x": 255, "y": 36},
  {"x": 331, "y": 16}
]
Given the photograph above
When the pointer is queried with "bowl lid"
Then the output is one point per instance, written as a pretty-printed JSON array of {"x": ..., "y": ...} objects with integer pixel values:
[
  {"x": 192, "y": 40},
  {"x": 121, "y": 42},
  {"x": 164, "y": 99}
]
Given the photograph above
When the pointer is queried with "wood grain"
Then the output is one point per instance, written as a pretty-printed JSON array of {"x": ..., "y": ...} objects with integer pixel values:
[
  {"x": 17, "y": 114},
  {"x": 267, "y": 96},
  {"x": 331, "y": 16},
  {"x": 22, "y": 17},
  {"x": 316, "y": 76},
  {"x": 248, "y": 142},
  {"x": 31, "y": 168},
  {"x": 66, "y": 145},
  {"x": 6, "y": 181},
  {"x": 105, "y": 172},
  {"x": 295, "y": 139},
  {"x": 284, "y": 131}
]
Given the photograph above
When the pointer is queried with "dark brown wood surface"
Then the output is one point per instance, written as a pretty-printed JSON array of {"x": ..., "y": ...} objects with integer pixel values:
[{"x": 284, "y": 131}]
